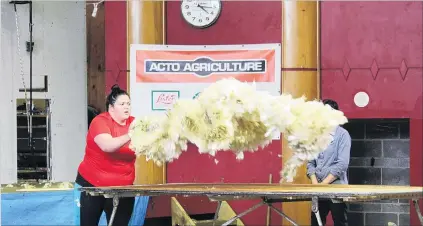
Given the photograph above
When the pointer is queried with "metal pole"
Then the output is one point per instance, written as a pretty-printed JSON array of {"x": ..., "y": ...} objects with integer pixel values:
[{"x": 31, "y": 140}]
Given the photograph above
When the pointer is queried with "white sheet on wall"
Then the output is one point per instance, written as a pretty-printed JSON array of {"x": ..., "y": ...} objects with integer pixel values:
[{"x": 161, "y": 74}]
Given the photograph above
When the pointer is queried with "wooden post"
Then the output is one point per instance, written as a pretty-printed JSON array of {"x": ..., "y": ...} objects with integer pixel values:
[
  {"x": 96, "y": 76},
  {"x": 146, "y": 26},
  {"x": 299, "y": 77}
]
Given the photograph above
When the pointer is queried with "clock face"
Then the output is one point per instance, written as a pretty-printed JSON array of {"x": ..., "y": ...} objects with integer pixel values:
[{"x": 201, "y": 13}]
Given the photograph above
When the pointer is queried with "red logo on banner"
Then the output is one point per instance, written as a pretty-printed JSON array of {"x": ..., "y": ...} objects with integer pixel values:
[{"x": 167, "y": 98}]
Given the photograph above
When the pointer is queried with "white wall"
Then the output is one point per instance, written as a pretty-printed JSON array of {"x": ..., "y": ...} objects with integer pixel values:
[
  {"x": 60, "y": 52},
  {"x": 8, "y": 156},
  {"x": 1, "y": 94}
]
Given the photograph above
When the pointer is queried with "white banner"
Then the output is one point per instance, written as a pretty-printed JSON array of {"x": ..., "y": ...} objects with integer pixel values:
[{"x": 162, "y": 74}]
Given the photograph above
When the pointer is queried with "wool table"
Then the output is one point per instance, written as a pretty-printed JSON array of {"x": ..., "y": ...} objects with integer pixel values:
[{"x": 269, "y": 194}]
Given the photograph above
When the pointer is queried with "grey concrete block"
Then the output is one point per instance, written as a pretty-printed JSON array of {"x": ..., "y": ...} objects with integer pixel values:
[
  {"x": 404, "y": 220},
  {"x": 364, "y": 176},
  {"x": 365, "y": 207},
  {"x": 395, "y": 208},
  {"x": 380, "y": 219},
  {"x": 380, "y": 162},
  {"x": 392, "y": 176},
  {"x": 360, "y": 161},
  {"x": 382, "y": 130},
  {"x": 386, "y": 201},
  {"x": 392, "y": 162},
  {"x": 356, "y": 219},
  {"x": 405, "y": 130},
  {"x": 366, "y": 148},
  {"x": 404, "y": 201},
  {"x": 396, "y": 148},
  {"x": 356, "y": 129}
]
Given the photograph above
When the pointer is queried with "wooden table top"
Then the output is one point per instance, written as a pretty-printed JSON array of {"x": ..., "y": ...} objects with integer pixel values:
[{"x": 265, "y": 190}]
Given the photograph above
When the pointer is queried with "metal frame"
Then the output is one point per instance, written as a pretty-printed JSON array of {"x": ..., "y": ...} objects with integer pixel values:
[
  {"x": 263, "y": 202},
  {"x": 267, "y": 197},
  {"x": 268, "y": 202}
]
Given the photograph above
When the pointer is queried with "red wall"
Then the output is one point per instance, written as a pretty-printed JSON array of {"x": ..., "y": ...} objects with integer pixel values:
[
  {"x": 376, "y": 47},
  {"x": 115, "y": 47},
  {"x": 239, "y": 23},
  {"x": 365, "y": 46}
]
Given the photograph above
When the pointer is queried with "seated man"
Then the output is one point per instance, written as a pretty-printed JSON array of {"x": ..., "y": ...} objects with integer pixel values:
[{"x": 331, "y": 167}]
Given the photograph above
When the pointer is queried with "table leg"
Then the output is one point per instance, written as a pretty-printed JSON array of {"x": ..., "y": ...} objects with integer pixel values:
[
  {"x": 115, "y": 206},
  {"x": 243, "y": 213},
  {"x": 283, "y": 215},
  {"x": 315, "y": 209},
  {"x": 417, "y": 208},
  {"x": 216, "y": 215}
]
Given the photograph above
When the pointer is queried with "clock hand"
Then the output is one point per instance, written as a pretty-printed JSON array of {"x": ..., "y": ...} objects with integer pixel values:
[{"x": 202, "y": 7}]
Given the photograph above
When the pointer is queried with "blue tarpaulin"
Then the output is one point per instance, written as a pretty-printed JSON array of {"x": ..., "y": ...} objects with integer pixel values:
[{"x": 53, "y": 208}]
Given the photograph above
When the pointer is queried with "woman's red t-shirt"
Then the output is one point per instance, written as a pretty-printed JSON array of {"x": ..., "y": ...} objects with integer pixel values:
[{"x": 100, "y": 168}]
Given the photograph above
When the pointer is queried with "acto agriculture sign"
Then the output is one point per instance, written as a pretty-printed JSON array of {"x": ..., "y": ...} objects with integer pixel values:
[{"x": 194, "y": 66}]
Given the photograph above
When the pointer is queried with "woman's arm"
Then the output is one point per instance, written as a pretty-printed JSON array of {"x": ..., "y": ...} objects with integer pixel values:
[
  {"x": 101, "y": 132},
  {"x": 342, "y": 162},
  {"x": 107, "y": 143},
  {"x": 311, "y": 169}
]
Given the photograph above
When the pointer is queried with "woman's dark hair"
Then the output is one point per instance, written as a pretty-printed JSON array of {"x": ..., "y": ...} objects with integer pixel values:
[
  {"x": 331, "y": 103},
  {"x": 114, "y": 94}
]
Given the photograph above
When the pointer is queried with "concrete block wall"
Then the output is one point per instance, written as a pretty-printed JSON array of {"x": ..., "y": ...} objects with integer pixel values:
[{"x": 380, "y": 155}]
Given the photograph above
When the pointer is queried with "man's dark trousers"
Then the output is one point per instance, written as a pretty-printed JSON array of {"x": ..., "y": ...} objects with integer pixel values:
[{"x": 338, "y": 211}]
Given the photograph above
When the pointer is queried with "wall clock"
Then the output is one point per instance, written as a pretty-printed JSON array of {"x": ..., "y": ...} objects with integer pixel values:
[{"x": 201, "y": 13}]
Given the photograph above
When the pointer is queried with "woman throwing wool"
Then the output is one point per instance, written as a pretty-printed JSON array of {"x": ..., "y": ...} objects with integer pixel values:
[{"x": 108, "y": 161}]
